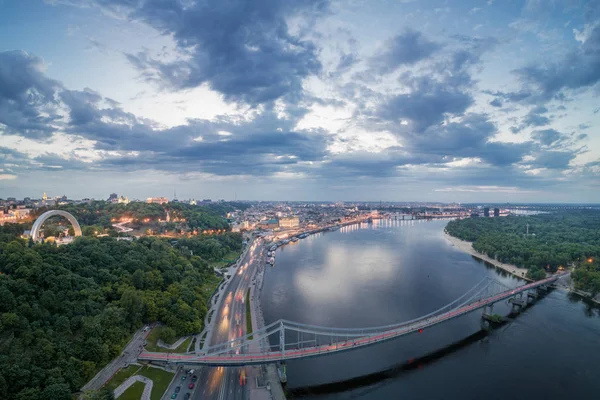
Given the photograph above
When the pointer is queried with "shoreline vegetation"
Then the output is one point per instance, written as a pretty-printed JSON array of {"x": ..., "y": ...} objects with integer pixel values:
[{"x": 467, "y": 247}]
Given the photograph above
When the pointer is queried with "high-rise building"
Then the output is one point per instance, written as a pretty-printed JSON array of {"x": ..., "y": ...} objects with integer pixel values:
[
  {"x": 496, "y": 212},
  {"x": 486, "y": 211}
]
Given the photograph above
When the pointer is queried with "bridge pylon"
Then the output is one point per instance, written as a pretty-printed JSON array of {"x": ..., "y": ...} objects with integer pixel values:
[{"x": 517, "y": 303}]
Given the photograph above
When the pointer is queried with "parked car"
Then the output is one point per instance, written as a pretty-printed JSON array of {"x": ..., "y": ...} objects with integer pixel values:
[
  {"x": 187, "y": 396},
  {"x": 194, "y": 378},
  {"x": 177, "y": 389},
  {"x": 183, "y": 377},
  {"x": 174, "y": 395},
  {"x": 191, "y": 385}
]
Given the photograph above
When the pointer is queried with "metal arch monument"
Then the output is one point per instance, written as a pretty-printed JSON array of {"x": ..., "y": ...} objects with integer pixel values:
[{"x": 35, "y": 229}]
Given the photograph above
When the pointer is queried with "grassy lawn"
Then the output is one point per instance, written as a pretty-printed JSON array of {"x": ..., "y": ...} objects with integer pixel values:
[
  {"x": 248, "y": 315},
  {"x": 134, "y": 392},
  {"x": 183, "y": 346},
  {"x": 160, "y": 379},
  {"x": 121, "y": 376},
  {"x": 230, "y": 257},
  {"x": 153, "y": 346}
]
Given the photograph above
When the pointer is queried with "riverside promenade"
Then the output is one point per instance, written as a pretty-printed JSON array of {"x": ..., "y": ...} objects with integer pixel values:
[{"x": 264, "y": 383}]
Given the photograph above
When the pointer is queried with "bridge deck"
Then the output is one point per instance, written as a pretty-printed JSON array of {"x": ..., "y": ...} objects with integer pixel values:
[{"x": 350, "y": 344}]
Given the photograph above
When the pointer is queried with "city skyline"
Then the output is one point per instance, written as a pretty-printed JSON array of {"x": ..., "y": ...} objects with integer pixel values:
[{"x": 314, "y": 100}]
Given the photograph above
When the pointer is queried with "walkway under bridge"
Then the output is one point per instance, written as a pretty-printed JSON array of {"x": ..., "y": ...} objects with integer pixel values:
[{"x": 295, "y": 340}]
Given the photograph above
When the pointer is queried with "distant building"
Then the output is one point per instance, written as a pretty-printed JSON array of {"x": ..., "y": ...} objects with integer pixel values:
[
  {"x": 486, "y": 212},
  {"x": 113, "y": 198},
  {"x": 193, "y": 202},
  {"x": 44, "y": 197},
  {"x": 123, "y": 200},
  {"x": 270, "y": 224},
  {"x": 496, "y": 212},
  {"x": 289, "y": 222},
  {"x": 157, "y": 200}
]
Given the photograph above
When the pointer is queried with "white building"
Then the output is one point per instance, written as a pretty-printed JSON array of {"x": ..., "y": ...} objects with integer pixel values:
[{"x": 289, "y": 222}]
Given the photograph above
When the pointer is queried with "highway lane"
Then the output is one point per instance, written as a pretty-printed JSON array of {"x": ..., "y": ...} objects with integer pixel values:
[{"x": 229, "y": 322}]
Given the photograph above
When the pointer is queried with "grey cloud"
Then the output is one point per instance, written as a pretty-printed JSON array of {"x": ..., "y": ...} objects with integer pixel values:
[
  {"x": 500, "y": 153},
  {"x": 53, "y": 162},
  {"x": 578, "y": 69},
  {"x": 535, "y": 120},
  {"x": 426, "y": 105},
  {"x": 468, "y": 138},
  {"x": 347, "y": 61},
  {"x": 442, "y": 88},
  {"x": 584, "y": 126},
  {"x": 243, "y": 49},
  {"x": 534, "y": 117},
  {"x": 547, "y": 137},
  {"x": 407, "y": 48},
  {"x": 553, "y": 159},
  {"x": 26, "y": 95},
  {"x": 496, "y": 103},
  {"x": 258, "y": 154}
]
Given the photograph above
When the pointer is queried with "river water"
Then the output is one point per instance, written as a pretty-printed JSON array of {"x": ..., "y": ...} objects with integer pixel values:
[{"x": 369, "y": 275}]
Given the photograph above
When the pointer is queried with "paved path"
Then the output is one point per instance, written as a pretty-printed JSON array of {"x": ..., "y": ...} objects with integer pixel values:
[
  {"x": 173, "y": 346},
  {"x": 128, "y": 356},
  {"x": 268, "y": 374},
  {"x": 130, "y": 381}
]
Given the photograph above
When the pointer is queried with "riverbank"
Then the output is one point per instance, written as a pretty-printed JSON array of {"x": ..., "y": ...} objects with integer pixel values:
[{"x": 467, "y": 247}]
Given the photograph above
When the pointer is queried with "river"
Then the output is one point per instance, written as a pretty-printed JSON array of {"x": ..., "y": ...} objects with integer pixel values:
[{"x": 369, "y": 275}]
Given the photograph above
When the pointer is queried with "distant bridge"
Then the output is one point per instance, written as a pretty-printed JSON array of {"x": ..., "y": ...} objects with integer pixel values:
[{"x": 312, "y": 341}]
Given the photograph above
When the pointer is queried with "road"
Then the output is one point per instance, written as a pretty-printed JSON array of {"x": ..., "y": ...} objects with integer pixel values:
[{"x": 229, "y": 322}]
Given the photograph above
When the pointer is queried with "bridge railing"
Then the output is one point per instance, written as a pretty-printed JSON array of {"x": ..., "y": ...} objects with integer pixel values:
[
  {"x": 302, "y": 340},
  {"x": 306, "y": 334}
]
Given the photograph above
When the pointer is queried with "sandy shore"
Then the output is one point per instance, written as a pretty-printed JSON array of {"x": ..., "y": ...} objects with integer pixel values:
[{"x": 467, "y": 247}]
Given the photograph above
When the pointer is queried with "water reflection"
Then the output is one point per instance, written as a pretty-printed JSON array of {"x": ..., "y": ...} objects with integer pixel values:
[{"x": 389, "y": 271}]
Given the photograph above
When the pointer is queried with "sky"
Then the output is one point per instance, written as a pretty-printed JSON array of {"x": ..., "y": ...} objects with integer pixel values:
[{"x": 339, "y": 100}]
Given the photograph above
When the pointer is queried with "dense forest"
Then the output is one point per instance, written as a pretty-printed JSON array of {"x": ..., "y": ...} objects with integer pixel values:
[
  {"x": 66, "y": 311},
  {"x": 554, "y": 239}
]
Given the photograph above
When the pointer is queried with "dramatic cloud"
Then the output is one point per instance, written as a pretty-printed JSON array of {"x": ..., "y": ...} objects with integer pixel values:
[
  {"x": 577, "y": 69},
  {"x": 242, "y": 49},
  {"x": 27, "y": 96},
  {"x": 309, "y": 98},
  {"x": 425, "y": 106}
]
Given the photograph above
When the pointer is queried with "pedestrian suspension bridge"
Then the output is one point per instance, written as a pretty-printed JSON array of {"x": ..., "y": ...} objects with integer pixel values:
[{"x": 294, "y": 340}]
